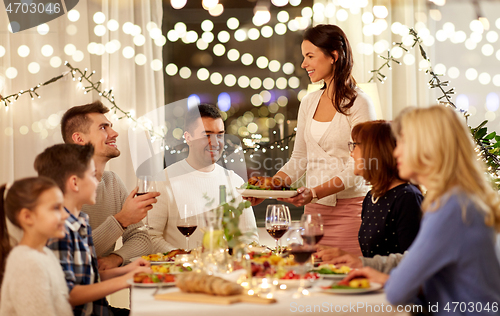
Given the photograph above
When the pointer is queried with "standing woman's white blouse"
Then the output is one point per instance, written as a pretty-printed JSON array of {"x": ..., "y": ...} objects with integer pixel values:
[{"x": 329, "y": 157}]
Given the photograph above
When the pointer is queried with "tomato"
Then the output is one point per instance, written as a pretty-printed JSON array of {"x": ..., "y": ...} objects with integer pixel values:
[
  {"x": 311, "y": 276},
  {"x": 147, "y": 280}
]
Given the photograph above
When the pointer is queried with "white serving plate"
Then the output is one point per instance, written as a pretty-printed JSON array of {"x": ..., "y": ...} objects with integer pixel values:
[
  {"x": 150, "y": 285},
  {"x": 373, "y": 287},
  {"x": 267, "y": 194},
  {"x": 153, "y": 262}
]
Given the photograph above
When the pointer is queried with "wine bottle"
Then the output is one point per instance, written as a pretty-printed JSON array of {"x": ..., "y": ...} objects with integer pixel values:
[{"x": 222, "y": 194}]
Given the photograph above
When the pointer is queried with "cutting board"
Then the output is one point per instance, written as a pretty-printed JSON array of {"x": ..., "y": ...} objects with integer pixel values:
[{"x": 213, "y": 299}]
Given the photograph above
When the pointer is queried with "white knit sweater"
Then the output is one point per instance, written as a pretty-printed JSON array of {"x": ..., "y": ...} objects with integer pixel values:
[
  {"x": 34, "y": 284},
  {"x": 186, "y": 185},
  {"x": 329, "y": 157}
]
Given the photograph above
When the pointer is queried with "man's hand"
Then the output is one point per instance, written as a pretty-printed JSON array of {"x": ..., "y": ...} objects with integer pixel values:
[
  {"x": 109, "y": 262},
  {"x": 371, "y": 274},
  {"x": 136, "y": 208},
  {"x": 139, "y": 263}
]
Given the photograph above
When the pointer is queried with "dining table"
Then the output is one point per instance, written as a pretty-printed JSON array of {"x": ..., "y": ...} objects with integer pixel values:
[{"x": 143, "y": 303}]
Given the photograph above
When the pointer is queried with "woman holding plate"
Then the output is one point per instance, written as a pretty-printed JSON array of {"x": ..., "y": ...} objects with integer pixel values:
[{"x": 325, "y": 120}]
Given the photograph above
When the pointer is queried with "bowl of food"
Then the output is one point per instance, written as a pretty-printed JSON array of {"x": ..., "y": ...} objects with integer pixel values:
[{"x": 267, "y": 188}]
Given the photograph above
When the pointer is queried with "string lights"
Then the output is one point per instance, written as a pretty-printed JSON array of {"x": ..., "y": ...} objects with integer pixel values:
[
  {"x": 82, "y": 77},
  {"x": 487, "y": 144}
]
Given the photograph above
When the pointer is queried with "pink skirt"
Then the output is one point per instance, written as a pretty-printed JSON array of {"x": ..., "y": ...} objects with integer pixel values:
[{"x": 340, "y": 223}]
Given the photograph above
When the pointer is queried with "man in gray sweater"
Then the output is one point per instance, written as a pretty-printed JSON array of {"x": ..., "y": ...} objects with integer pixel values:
[{"x": 116, "y": 213}]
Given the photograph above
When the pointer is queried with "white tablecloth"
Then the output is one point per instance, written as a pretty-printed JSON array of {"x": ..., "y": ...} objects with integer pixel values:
[{"x": 375, "y": 303}]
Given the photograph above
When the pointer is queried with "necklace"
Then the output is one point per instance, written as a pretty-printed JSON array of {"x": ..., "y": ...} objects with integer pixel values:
[{"x": 374, "y": 201}]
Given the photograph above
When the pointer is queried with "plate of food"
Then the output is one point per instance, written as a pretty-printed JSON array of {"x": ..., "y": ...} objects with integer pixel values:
[
  {"x": 330, "y": 271},
  {"x": 267, "y": 188},
  {"x": 152, "y": 280},
  {"x": 162, "y": 258},
  {"x": 292, "y": 279},
  {"x": 354, "y": 286},
  {"x": 171, "y": 268}
]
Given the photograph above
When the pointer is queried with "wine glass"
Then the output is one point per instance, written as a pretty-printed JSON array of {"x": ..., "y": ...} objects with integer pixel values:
[
  {"x": 277, "y": 221},
  {"x": 309, "y": 229},
  {"x": 312, "y": 228},
  {"x": 146, "y": 184},
  {"x": 187, "y": 222}
]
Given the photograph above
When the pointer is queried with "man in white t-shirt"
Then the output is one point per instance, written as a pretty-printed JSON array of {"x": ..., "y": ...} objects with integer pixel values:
[{"x": 193, "y": 181}]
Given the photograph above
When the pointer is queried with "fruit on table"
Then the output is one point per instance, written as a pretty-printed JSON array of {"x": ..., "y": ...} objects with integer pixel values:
[
  {"x": 291, "y": 275},
  {"x": 332, "y": 269},
  {"x": 358, "y": 283},
  {"x": 153, "y": 278},
  {"x": 213, "y": 239}
]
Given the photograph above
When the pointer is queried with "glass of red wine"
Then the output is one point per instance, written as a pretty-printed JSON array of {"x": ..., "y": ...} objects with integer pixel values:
[
  {"x": 311, "y": 231},
  {"x": 277, "y": 221},
  {"x": 187, "y": 222},
  {"x": 312, "y": 228},
  {"x": 146, "y": 184}
]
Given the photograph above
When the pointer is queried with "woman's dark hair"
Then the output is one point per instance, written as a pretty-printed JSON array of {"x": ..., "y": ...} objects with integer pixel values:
[
  {"x": 330, "y": 38},
  {"x": 22, "y": 194},
  {"x": 377, "y": 144}
]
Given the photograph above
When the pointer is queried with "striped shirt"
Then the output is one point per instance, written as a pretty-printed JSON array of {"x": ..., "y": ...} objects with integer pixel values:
[{"x": 78, "y": 260}]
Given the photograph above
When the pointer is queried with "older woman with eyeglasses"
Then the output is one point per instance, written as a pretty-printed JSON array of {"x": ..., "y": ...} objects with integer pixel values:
[{"x": 390, "y": 217}]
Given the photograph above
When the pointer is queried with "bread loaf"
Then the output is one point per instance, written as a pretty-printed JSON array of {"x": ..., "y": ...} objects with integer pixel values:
[{"x": 204, "y": 283}]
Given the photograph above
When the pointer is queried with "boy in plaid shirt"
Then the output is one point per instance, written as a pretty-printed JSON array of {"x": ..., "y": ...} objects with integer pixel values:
[{"x": 72, "y": 168}]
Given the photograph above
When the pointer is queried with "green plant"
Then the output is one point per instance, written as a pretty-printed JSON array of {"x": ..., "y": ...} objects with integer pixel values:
[
  {"x": 488, "y": 148},
  {"x": 230, "y": 220}
]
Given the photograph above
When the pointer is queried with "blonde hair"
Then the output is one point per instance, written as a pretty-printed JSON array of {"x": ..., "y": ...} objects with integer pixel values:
[{"x": 440, "y": 146}]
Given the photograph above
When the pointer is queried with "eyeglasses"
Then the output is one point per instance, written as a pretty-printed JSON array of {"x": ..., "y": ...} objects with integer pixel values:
[{"x": 352, "y": 145}]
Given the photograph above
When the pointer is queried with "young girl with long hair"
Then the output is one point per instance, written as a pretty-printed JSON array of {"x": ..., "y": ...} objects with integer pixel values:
[{"x": 33, "y": 281}]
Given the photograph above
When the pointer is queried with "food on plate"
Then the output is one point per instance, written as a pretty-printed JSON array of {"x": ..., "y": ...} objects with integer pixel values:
[
  {"x": 153, "y": 278},
  {"x": 167, "y": 256},
  {"x": 208, "y": 284},
  {"x": 332, "y": 269},
  {"x": 265, "y": 183},
  {"x": 271, "y": 259},
  {"x": 357, "y": 283},
  {"x": 171, "y": 268},
  {"x": 292, "y": 275},
  {"x": 262, "y": 270}
]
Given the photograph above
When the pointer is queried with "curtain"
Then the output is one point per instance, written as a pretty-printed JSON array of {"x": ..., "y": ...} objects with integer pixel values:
[{"x": 28, "y": 126}]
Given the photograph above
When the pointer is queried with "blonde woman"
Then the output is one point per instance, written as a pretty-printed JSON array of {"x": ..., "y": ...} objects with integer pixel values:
[{"x": 453, "y": 257}]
